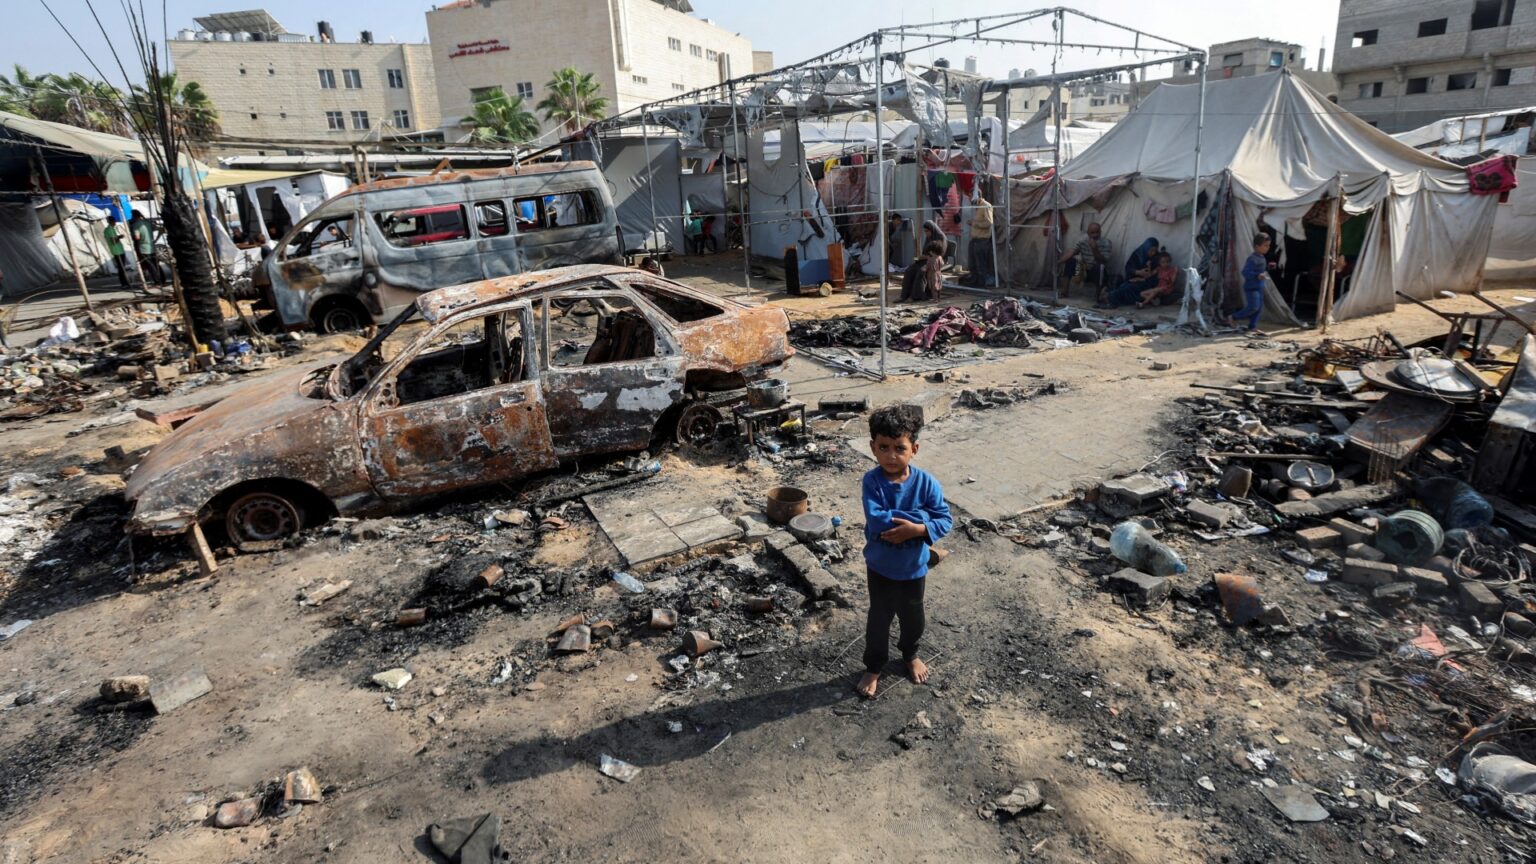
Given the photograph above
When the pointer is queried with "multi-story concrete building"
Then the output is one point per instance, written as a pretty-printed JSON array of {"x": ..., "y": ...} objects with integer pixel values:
[
  {"x": 1405, "y": 63},
  {"x": 1102, "y": 101},
  {"x": 290, "y": 88},
  {"x": 1244, "y": 58},
  {"x": 638, "y": 51}
]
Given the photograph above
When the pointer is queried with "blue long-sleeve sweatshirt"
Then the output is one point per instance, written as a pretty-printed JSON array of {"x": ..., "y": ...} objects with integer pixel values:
[
  {"x": 1253, "y": 273},
  {"x": 917, "y": 499}
]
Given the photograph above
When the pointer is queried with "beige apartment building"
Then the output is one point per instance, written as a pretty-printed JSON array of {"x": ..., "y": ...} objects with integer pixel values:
[
  {"x": 1245, "y": 58},
  {"x": 269, "y": 84},
  {"x": 639, "y": 51},
  {"x": 1407, "y": 63}
]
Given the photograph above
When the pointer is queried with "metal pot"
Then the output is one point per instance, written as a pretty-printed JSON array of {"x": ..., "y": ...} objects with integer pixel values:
[
  {"x": 785, "y": 503},
  {"x": 768, "y": 393}
]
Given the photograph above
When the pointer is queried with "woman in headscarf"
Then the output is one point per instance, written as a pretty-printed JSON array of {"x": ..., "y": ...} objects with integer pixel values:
[{"x": 1140, "y": 275}]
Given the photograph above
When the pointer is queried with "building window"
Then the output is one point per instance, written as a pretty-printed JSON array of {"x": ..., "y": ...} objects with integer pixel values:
[
  {"x": 359, "y": 120},
  {"x": 242, "y": 70},
  {"x": 396, "y": 79},
  {"x": 353, "y": 78},
  {"x": 674, "y": 43},
  {"x": 253, "y": 115},
  {"x": 1231, "y": 60},
  {"x": 327, "y": 79},
  {"x": 1114, "y": 100},
  {"x": 525, "y": 89},
  {"x": 1501, "y": 77},
  {"x": 1371, "y": 90},
  {"x": 1095, "y": 103},
  {"x": 711, "y": 54},
  {"x": 402, "y": 119},
  {"x": 1276, "y": 59},
  {"x": 680, "y": 88},
  {"x": 271, "y": 71},
  {"x": 640, "y": 79},
  {"x": 334, "y": 121},
  {"x": 480, "y": 94},
  {"x": 1487, "y": 14},
  {"x": 1461, "y": 81},
  {"x": 1432, "y": 28},
  {"x": 1416, "y": 86},
  {"x": 695, "y": 50},
  {"x": 283, "y": 114},
  {"x": 1363, "y": 38}
]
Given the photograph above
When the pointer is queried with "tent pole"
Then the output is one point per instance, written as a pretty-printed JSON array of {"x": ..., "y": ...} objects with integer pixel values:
[
  {"x": 58, "y": 215},
  {"x": 650, "y": 177},
  {"x": 880, "y": 191},
  {"x": 1056, "y": 197},
  {"x": 1330, "y": 260},
  {"x": 741, "y": 193},
  {"x": 1007, "y": 193},
  {"x": 1194, "y": 209}
]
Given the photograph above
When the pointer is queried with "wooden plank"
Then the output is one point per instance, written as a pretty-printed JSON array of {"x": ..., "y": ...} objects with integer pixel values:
[
  {"x": 206, "y": 563},
  {"x": 170, "y": 418}
]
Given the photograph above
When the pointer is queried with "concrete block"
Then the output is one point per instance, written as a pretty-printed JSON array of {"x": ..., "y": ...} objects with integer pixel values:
[
  {"x": 1358, "y": 571},
  {"x": 1394, "y": 596},
  {"x": 1476, "y": 599},
  {"x": 1320, "y": 537},
  {"x": 1352, "y": 532},
  {"x": 819, "y": 583},
  {"x": 1208, "y": 514},
  {"x": 1364, "y": 552},
  {"x": 1143, "y": 589},
  {"x": 778, "y": 541},
  {"x": 168, "y": 695},
  {"x": 1426, "y": 581},
  {"x": 1128, "y": 496},
  {"x": 1442, "y": 565}
]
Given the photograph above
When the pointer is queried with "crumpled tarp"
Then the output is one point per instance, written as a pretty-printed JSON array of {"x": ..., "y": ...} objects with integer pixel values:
[{"x": 469, "y": 840}]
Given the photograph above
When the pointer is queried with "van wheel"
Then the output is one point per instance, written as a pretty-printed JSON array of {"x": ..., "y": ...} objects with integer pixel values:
[
  {"x": 697, "y": 425},
  {"x": 341, "y": 316},
  {"x": 263, "y": 516}
]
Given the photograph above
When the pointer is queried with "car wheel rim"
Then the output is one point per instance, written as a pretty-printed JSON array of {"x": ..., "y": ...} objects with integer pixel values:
[
  {"x": 697, "y": 424},
  {"x": 337, "y": 320},
  {"x": 258, "y": 518}
]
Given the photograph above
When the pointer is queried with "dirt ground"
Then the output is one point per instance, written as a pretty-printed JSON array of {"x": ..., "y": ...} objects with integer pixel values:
[{"x": 1037, "y": 674}]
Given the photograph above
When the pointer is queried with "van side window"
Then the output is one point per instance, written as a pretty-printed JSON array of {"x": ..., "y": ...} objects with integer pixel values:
[
  {"x": 321, "y": 235},
  {"x": 491, "y": 218},
  {"x": 423, "y": 226},
  {"x": 543, "y": 212}
]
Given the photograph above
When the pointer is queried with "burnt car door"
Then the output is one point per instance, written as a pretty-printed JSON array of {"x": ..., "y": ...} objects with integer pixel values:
[
  {"x": 462, "y": 406},
  {"x": 611, "y": 370},
  {"x": 323, "y": 256}
]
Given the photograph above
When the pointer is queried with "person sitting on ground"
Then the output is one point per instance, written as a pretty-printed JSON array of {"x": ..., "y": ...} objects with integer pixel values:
[
  {"x": 924, "y": 277},
  {"x": 1142, "y": 261},
  {"x": 1255, "y": 271},
  {"x": 1165, "y": 277},
  {"x": 1088, "y": 261},
  {"x": 904, "y": 515}
]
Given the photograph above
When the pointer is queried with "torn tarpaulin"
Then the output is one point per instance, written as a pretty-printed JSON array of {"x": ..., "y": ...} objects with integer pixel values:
[{"x": 469, "y": 840}]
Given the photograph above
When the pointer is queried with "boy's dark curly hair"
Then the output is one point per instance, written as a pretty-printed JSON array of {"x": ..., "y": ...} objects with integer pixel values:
[{"x": 894, "y": 421}]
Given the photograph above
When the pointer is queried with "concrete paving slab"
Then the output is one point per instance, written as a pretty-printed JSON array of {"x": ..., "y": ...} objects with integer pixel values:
[
  {"x": 648, "y": 523},
  {"x": 711, "y": 529}
]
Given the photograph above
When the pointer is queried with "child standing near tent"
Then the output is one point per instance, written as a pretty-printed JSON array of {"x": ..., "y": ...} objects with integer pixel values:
[{"x": 1255, "y": 270}]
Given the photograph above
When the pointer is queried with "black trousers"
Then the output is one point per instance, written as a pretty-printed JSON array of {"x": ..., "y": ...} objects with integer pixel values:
[{"x": 892, "y": 598}]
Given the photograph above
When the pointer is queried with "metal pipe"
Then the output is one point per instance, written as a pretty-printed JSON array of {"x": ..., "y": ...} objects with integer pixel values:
[
  {"x": 58, "y": 215},
  {"x": 1007, "y": 192},
  {"x": 1194, "y": 213},
  {"x": 650, "y": 178},
  {"x": 741, "y": 196},
  {"x": 1056, "y": 200},
  {"x": 880, "y": 192}
]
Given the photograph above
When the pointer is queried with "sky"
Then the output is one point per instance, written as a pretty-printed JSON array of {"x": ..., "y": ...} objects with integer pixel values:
[{"x": 792, "y": 29}]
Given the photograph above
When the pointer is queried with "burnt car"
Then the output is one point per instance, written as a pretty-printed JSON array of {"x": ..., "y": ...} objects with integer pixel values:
[{"x": 471, "y": 385}]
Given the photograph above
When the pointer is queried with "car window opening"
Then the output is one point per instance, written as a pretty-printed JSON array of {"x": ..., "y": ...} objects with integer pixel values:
[
  {"x": 471, "y": 355},
  {"x": 423, "y": 226},
  {"x": 678, "y": 307},
  {"x": 491, "y": 218},
  {"x": 320, "y": 236},
  {"x": 543, "y": 212},
  {"x": 593, "y": 330}
]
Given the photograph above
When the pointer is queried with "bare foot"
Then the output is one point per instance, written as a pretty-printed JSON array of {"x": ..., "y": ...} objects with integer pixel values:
[
  {"x": 917, "y": 670},
  {"x": 936, "y": 556},
  {"x": 869, "y": 683}
]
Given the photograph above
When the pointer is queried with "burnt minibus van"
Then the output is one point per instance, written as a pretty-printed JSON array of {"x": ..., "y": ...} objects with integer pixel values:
[{"x": 366, "y": 254}]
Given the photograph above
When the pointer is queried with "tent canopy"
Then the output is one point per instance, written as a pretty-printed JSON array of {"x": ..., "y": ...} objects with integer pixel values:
[
  {"x": 1280, "y": 139},
  {"x": 79, "y": 160}
]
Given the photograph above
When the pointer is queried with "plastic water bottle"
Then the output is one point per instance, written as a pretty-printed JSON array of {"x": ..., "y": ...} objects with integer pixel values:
[
  {"x": 628, "y": 582},
  {"x": 1454, "y": 504},
  {"x": 1132, "y": 544}
]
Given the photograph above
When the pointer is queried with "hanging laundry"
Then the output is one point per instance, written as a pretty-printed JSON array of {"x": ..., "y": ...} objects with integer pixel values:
[
  {"x": 1161, "y": 213},
  {"x": 818, "y": 170},
  {"x": 1494, "y": 176},
  {"x": 858, "y": 158},
  {"x": 966, "y": 180},
  {"x": 936, "y": 193}
]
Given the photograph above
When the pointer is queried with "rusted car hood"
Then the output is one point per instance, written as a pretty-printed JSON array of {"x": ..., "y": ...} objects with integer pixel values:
[{"x": 274, "y": 400}]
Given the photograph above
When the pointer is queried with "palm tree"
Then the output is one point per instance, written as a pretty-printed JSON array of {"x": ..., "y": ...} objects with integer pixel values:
[
  {"x": 574, "y": 98},
  {"x": 501, "y": 119},
  {"x": 193, "y": 113},
  {"x": 18, "y": 90},
  {"x": 80, "y": 101}
]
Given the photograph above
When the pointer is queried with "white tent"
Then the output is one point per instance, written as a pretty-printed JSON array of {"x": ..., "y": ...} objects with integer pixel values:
[
  {"x": 1512, "y": 253},
  {"x": 1276, "y": 147}
]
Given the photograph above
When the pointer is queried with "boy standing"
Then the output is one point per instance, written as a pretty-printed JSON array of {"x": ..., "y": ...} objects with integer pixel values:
[
  {"x": 1255, "y": 269},
  {"x": 904, "y": 514}
]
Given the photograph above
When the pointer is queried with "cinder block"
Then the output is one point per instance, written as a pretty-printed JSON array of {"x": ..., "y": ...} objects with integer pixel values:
[
  {"x": 1358, "y": 571},
  {"x": 1320, "y": 537}
]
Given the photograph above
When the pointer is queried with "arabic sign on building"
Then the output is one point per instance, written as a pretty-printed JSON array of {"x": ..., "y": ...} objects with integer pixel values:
[{"x": 484, "y": 46}]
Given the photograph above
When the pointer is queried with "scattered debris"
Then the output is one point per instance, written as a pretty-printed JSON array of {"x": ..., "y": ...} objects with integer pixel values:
[{"x": 617, "y": 768}]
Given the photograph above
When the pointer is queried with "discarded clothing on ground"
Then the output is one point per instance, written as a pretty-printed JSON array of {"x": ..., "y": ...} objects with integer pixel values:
[
  {"x": 848, "y": 331},
  {"x": 997, "y": 397}
]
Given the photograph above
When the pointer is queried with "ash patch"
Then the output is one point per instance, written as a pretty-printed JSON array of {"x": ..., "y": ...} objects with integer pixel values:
[{"x": 28, "y": 767}]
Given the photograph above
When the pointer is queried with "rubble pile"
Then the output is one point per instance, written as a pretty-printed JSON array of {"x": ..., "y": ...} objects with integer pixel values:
[{"x": 1295, "y": 511}]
